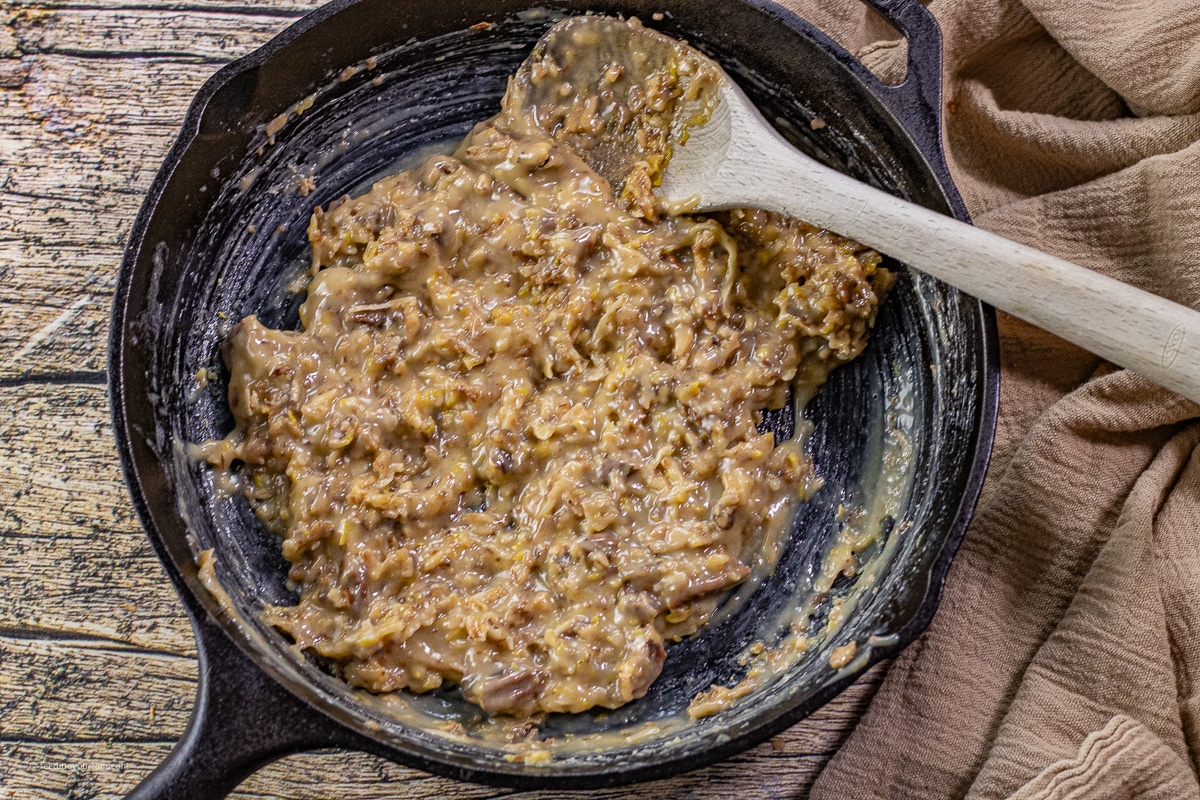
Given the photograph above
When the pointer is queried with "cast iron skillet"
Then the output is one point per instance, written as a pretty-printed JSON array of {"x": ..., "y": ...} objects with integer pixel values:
[{"x": 221, "y": 234}]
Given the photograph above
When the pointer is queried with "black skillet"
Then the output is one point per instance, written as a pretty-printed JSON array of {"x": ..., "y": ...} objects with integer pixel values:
[{"x": 221, "y": 234}]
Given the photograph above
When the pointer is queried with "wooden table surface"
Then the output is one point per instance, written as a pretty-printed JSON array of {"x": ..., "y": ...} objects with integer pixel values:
[{"x": 97, "y": 662}]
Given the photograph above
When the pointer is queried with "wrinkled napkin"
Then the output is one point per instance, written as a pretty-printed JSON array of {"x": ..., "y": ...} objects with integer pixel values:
[{"x": 1064, "y": 659}]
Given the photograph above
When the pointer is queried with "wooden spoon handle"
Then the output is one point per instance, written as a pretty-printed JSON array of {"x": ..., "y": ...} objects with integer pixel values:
[{"x": 1128, "y": 326}]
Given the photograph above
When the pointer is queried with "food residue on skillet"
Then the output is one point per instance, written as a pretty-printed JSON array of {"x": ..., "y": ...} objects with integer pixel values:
[{"x": 514, "y": 444}]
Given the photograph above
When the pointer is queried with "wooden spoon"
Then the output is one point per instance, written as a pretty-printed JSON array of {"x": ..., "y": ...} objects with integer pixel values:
[
  {"x": 714, "y": 151},
  {"x": 737, "y": 160}
]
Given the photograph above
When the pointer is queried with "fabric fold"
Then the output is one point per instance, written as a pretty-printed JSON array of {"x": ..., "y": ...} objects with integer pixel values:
[
  {"x": 1064, "y": 658},
  {"x": 1119, "y": 761}
]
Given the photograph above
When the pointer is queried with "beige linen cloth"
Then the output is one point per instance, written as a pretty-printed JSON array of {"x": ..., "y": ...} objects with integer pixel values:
[{"x": 1065, "y": 658}]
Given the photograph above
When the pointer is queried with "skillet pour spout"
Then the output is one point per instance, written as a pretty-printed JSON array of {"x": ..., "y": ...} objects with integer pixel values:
[{"x": 362, "y": 88}]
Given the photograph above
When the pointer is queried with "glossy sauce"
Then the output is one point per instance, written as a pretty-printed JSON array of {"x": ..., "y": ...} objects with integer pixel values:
[{"x": 514, "y": 445}]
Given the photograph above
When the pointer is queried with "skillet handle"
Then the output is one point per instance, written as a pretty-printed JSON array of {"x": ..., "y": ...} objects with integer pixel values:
[
  {"x": 917, "y": 101},
  {"x": 242, "y": 719}
]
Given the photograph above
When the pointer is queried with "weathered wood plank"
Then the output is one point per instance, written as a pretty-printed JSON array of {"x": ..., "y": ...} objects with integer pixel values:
[
  {"x": 38, "y": 771},
  {"x": 108, "y": 770},
  {"x": 281, "y": 8},
  {"x": 92, "y": 593},
  {"x": 79, "y": 144},
  {"x": 87, "y": 690},
  {"x": 184, "y": 35},
  {"x": 44, "y": 223},
  {"x": 55, "y": 306},
  {"x": 83, "y": 167},
  {"x": 94, "y": 98},
  {"x": 66, "y": 93},
  {"x": 76, "y": 560},
  {"x": 336, "y": 773}
]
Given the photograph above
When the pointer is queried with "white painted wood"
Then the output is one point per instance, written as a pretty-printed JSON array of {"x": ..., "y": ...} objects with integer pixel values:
[{"x": 737, "y": 160}]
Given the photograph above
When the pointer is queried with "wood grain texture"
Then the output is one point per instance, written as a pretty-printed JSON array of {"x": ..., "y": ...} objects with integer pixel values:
[
  {"x": 97, "y": 662},
  {"x": 78, "y": 564},
  {"x": 91, "y": 96}
]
